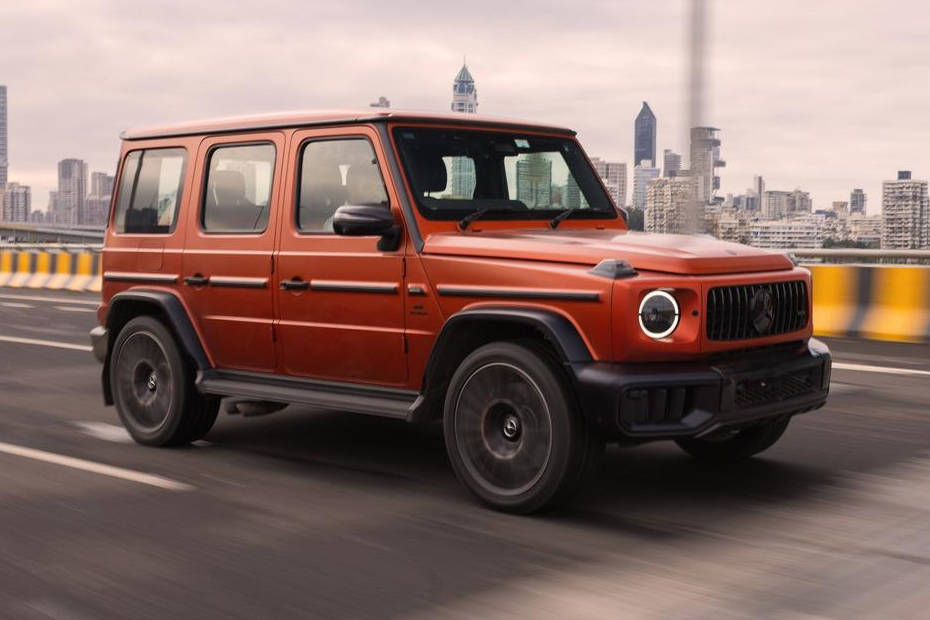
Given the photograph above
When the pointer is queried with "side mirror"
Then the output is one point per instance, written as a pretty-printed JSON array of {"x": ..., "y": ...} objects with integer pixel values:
[{"x": 362, "y": 220}]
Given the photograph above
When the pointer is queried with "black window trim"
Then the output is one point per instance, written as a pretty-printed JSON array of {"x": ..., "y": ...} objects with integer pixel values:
[
  {"x": 299, "y": 168},
  {"x": 114, "y": 202},
  {"x": 201, "y": 216},
  {"x": 611, "y": 213}
]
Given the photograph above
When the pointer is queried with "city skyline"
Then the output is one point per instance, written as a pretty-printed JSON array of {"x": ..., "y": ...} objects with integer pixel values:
[{"x": 78, "y": 78}]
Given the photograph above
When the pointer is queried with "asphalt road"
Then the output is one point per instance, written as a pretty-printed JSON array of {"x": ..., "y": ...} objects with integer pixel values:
[{"x": 315, "y": 514}]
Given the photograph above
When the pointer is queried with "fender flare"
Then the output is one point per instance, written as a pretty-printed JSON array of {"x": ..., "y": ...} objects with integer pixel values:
[{"x": 172, "y": 311}]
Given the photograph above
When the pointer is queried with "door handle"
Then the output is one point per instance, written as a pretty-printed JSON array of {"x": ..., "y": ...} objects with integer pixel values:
[
  {"x": 198, "y": 279},
  {"x": 295, "y": 284}
]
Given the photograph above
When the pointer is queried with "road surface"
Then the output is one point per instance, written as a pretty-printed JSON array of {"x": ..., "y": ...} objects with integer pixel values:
[{"x": 316, "y": 514}]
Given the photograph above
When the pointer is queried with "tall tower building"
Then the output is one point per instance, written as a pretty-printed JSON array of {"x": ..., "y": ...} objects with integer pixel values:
[
  {"x": 671, "y": 163},
  {"x": 614, "y": 175},
  {"x": 72, "y": 191},
  {"x": 17, "y": 203},
  {"x": 534, "y": 181},
  {"x": 642, "y": 174},
  {"x": 644, "y": 136},
  {"x": 905, "y": 213},
  {"x": 4, "y": 144},
  {"x": 705, "y": 159},
  {"x": 464, "y": 94},
  {"x": 857, "y": 202},
  {"x": 667, "y": 201}
]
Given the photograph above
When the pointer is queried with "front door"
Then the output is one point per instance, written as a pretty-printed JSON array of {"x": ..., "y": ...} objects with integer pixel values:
[
  {"x": 340, "y": 301},
  {"x": 227, "y": 265}
]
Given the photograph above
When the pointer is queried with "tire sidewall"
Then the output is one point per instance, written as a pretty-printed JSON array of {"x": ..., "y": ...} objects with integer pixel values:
[
  {"x": 155, "y": 328},
  {"x": 564, "y": 427}
]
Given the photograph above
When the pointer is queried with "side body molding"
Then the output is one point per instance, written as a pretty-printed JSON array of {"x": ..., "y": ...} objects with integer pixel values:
[{"x": 170, "y": 309}]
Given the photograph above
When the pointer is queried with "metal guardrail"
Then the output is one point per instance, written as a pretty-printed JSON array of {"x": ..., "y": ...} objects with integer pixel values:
[
  {"x": 860, "y": 256},
  {"x": 89, "y": 247}
]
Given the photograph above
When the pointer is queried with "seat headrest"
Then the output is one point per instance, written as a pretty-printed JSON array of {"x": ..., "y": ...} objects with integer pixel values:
[
  {"x": 430, "y": 173},
  {"x": 227, "y": 186}
]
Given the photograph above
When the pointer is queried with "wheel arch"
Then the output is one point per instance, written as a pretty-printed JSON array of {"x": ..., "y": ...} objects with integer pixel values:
[
  {"x": 166, "y": 306},
  {"x": 471, "y": 328}
]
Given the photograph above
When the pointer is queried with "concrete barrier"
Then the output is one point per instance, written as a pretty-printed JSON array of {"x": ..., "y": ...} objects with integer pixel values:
[
  {"x": 54, "y": 268},
  {"x": 881, "y": 302}
]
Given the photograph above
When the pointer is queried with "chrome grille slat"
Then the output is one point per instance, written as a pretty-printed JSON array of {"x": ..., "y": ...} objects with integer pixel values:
[{"x": 729, "y": 310}]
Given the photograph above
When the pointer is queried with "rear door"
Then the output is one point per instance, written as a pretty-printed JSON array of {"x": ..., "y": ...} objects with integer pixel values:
[
  {"x": 227, "y": 264},
  {"x": 340, "y": 299}
]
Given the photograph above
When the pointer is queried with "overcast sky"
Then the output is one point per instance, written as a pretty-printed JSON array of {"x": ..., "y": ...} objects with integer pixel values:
[{"x": 824, "y": 95}]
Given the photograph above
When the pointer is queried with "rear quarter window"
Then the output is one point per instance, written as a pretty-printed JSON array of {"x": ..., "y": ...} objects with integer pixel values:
[{"x": 150, "y": 191}]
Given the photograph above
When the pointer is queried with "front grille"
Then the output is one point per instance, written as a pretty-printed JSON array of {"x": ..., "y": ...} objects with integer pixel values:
[
  {"x": 756, "y": 310},
  {"x": 763, "y": 391}
]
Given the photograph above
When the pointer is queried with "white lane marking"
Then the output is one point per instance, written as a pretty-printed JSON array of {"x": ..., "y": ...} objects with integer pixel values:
[
  {"x": 882, "y": 369},
  {"x": 58, "y": 300},
  {"x": 96, "y": 468},
  {"x": 104, "y": 431},
  {"x": 74, "y": 309},
  {"x": 11, "y": 304},
  {"x": 47, "y": 343}
]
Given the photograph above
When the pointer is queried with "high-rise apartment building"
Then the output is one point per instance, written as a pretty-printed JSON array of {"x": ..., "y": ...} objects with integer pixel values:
[
  {"x": 857, "y": 202},
  {"x": 671, "y": 163},
  {"x": 101, "y": 184},
  {"x": 642, "y": 174},
  {"x": 905, "y": 213},
  {"x": 4, "y": 142},
  {"x": 614, "y": 175},
  {"x": 68, "y": 206},
  {"x": 667, "y": 202},
  {"x": 534, "y": 180},
  {"x": 780, "y": 204},
  {"x": 644, "y": 136},
  {"x": 705, "y": 159},
  {"x": 97, "y": 204},
  {"x": 16, "y": 202}
]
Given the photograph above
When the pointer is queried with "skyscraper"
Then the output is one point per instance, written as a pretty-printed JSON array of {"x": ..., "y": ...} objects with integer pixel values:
[
  {"x": 465, "y": 100},
  {"x": 857, "y": 202},
  {"x": 641, "y": 176},
  {"x": 905, "y": 213},
  {"x": 705, "y": 159},
  {"x": 464, "y": 94},
  {"x": 671, "y": 163},
  {"x": 614, "y": 175},
  {"x": 644, "y": 136},
  {"x": 4, "y": 145},
  {"x": 534, "y": 181},
  {"x": 16, "y": 201},
  {"x": 667, "y": 201},
  {"x": 68, "y": 206}
]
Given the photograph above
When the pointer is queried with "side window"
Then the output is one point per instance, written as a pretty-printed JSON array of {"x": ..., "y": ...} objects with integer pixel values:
[
  {"x": 150, "y": 191},
  {"x": 334, "y": 173},
  {"x": 238, "y": 189}
]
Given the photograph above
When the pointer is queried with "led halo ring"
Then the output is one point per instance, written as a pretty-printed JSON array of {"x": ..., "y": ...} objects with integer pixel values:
[{"x": 674, "y": 326}]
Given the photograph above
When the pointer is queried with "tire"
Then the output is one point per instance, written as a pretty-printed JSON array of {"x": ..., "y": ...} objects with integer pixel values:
[
  {"x": 153, "y": 387},
  {"x": 737, "y": 445},
  {"x": 512, "y": 431}
]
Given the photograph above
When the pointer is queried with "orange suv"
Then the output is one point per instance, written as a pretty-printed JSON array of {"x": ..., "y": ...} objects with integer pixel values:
[{"x": 427, "y": 267}]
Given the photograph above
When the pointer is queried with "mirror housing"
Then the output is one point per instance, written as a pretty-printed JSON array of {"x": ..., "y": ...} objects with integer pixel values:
[{"x": 367, "y": 220}]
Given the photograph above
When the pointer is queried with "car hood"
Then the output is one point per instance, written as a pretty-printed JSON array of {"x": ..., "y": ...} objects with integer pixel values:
[{"x": 679, "y": 254}]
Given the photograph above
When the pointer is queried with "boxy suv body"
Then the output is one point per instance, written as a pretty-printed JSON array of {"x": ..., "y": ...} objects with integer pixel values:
[{"x": 437, "y": 267}]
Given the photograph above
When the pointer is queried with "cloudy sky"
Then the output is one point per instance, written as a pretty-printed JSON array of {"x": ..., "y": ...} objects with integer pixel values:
[{"x": 824, "y": 95}]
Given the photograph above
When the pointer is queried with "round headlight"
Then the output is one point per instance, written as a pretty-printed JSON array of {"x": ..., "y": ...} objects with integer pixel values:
[{"x": 658, "y": 314}]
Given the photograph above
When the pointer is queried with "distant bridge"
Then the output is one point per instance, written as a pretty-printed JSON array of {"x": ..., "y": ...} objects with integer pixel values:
[{"x": 32, "y": 233}]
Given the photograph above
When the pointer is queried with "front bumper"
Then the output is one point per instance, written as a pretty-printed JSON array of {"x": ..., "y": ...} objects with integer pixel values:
[{"x": 655, "y": 401}]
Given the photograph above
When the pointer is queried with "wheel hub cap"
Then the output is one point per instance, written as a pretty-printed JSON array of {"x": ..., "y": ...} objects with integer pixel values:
[{"x": 511, "y": 427}]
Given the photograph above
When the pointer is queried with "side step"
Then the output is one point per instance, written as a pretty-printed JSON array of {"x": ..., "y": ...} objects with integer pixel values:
[{"x": 384, "y": 402}]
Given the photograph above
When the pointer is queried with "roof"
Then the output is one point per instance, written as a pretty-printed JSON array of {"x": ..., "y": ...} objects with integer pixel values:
[
  {"x": 281, "y": 120},
  {"x": 464, "y": 75}
]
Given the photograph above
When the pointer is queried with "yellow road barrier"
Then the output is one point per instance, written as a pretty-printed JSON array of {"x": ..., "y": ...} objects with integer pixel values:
[{"x": 68, "y": 268}]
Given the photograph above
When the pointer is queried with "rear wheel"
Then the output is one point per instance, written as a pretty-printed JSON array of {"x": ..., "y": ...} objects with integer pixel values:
[
  {"x": 513, "y": 435},
  {"x": 153, "y": 387},
  {"x": 729, "y": 446}
]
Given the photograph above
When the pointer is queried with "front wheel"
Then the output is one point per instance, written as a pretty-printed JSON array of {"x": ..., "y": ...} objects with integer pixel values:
[
  {"x": 729, "y": 446},
  {"x": 513, "y": 435}
]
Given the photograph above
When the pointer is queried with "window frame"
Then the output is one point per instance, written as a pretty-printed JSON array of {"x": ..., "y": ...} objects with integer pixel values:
[
  {"x": 135, "y": 182},
  {"x": 205, "y": 180},
  {"x": 298, "y": 177}
]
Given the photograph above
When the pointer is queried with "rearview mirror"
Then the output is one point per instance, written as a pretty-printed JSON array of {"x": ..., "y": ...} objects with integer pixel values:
[{"x": 363, "y": 220}]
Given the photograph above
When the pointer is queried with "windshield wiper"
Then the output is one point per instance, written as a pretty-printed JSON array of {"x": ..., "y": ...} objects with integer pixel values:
[
  {"x": 480, "y": 213},
  {"x": 564, "y": 215}
]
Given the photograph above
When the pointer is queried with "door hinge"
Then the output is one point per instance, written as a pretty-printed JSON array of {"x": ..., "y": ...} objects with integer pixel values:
[
  {"x": 272, "y": 263},
  {"x": 403, "y": 267},
  {"x": 406, "y": 345},
  {"x": 274, "y": 333}
]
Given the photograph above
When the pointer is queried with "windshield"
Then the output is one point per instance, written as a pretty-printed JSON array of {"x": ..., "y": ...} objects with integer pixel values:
[{"x": 455, "y": 172}]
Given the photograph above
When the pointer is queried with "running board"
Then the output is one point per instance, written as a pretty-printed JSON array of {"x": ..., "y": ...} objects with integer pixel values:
[{"x": 384, "y": 402}]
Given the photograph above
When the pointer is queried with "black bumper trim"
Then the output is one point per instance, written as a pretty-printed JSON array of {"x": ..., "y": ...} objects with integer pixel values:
[{"x": 675, "y": 400}]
